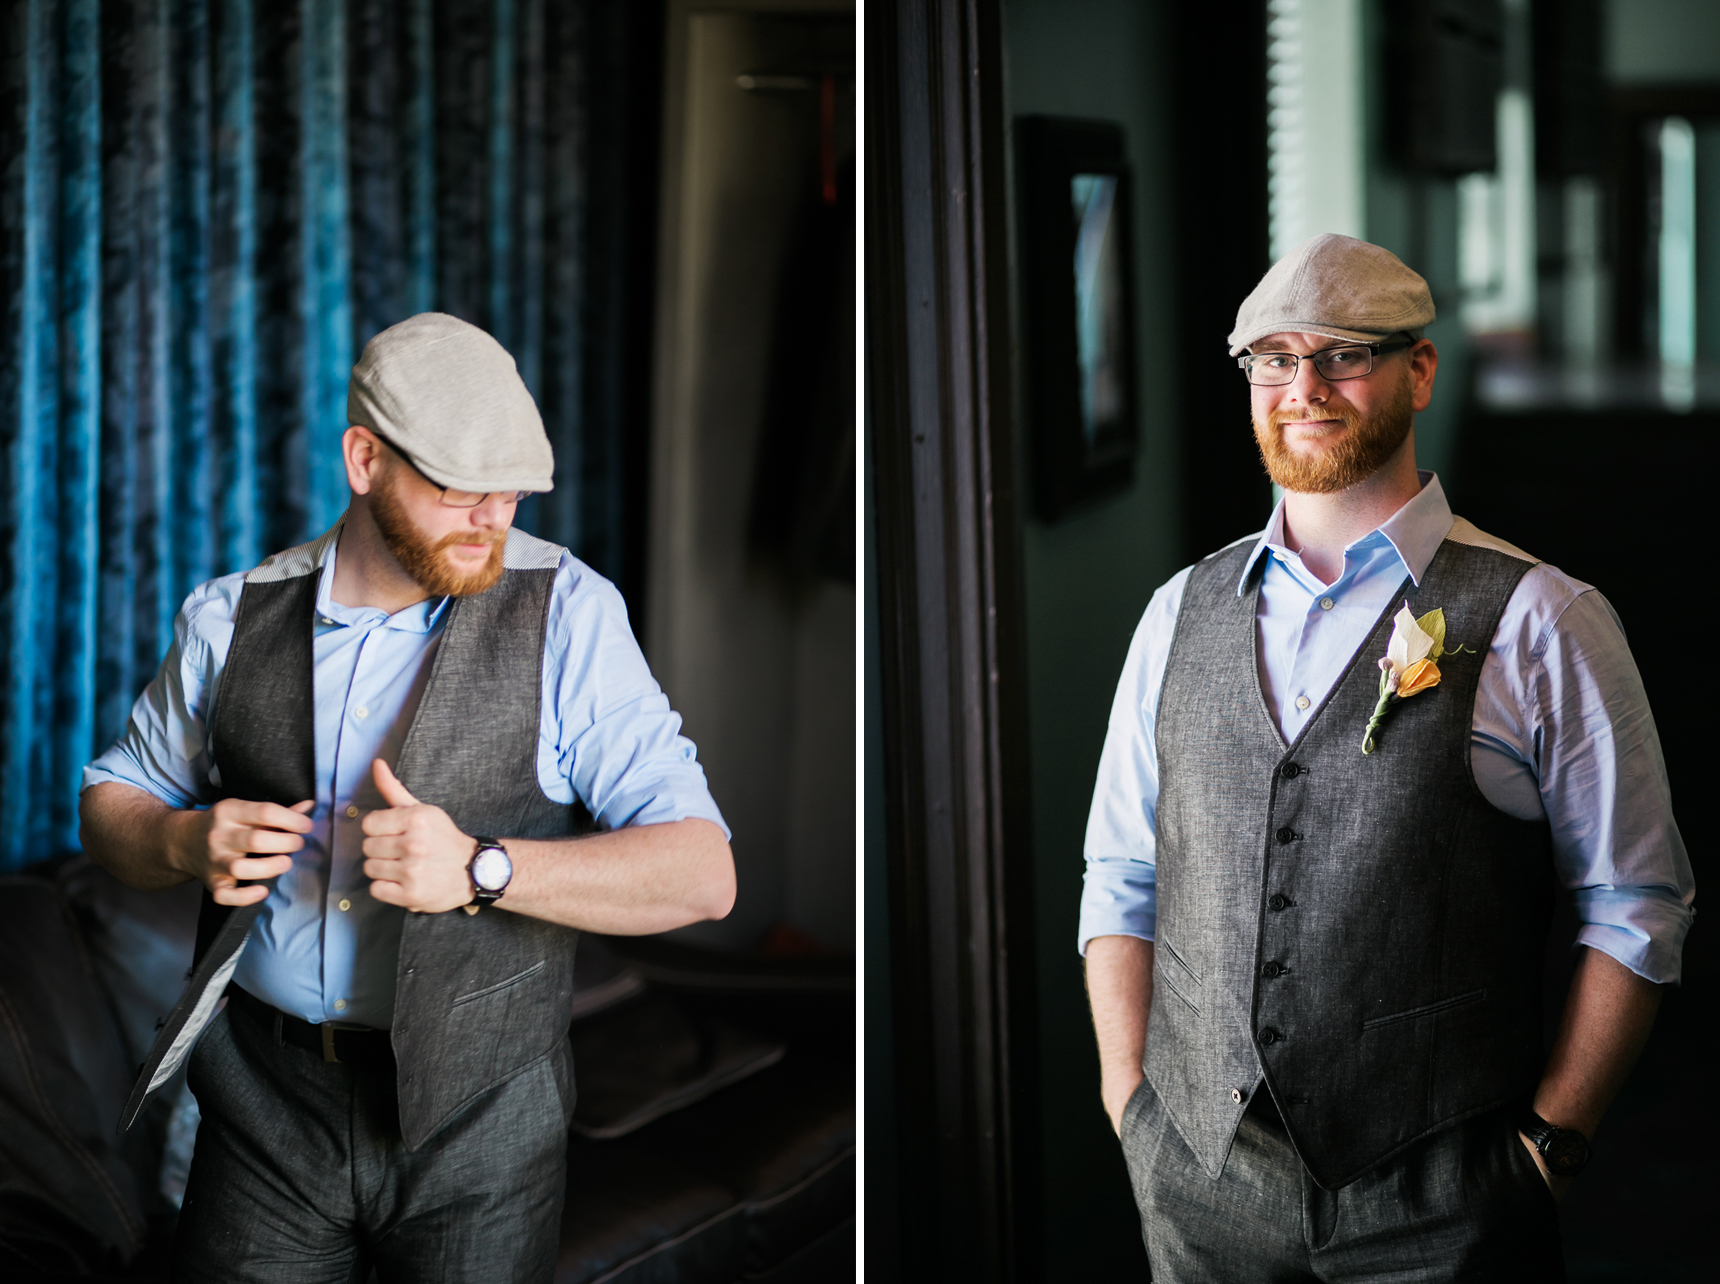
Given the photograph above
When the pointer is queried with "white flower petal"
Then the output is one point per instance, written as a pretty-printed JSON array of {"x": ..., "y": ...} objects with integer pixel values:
[{"x": 1410, "y": 642}]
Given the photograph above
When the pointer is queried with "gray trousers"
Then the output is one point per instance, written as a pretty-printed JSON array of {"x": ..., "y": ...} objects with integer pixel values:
[
  {"x": 300, "y": 1176},
  {"x": 1466, "y": 1204}
]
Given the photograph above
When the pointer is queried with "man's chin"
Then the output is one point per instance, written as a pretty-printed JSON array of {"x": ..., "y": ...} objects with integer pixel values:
[
  {"x": 443, "y": 575},
  {"x": 460, "y": 581},
  {"x": 1315, "y": 473}
]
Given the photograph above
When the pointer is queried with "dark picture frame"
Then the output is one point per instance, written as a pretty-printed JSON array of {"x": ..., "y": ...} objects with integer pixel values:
[{"x": 1078, "y": 308}]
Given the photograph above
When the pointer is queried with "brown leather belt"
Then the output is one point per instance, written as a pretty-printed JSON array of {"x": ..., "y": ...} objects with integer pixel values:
[{"x": 356, "y": 1045}]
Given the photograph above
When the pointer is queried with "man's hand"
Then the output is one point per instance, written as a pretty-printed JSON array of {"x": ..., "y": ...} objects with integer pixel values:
[
  {"x": 1115, "y": 1089},
  {"x": 228, "y": 844},
  {"x": 414, "y": 855},
  {"x": 1558, "y": 1185}
]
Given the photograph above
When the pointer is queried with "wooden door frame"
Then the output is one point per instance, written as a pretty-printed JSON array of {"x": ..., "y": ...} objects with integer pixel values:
[{"x": 954, "y": 695}]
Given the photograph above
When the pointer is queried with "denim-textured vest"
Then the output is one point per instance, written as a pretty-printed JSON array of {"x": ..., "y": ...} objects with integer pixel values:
[
  {"x": 478, "y": 997},
  {"x": 1362, "y": 933}
]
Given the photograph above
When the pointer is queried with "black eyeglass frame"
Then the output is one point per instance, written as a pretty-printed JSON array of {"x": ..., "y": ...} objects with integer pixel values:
[
  {"x": 1375, "y": 349},
  {"x": 519, "y": 496}
]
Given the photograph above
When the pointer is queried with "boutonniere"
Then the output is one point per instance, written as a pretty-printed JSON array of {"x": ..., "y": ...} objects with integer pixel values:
[{"x": 1408, "y": 667}]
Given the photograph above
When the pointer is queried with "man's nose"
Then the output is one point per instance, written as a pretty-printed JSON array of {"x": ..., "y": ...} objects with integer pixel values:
[
  {"x": 1309, "y": 384},
  {"x": 493, "y": 514}
]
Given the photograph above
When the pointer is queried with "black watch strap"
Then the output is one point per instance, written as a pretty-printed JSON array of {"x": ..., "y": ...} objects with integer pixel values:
[{"x": 1565, "y": 1151}]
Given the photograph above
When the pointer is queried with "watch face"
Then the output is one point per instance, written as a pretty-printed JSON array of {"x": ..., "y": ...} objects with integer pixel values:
[
  {"x": 1566, "y": 1152},
  {"x": 492, "y": 869}
]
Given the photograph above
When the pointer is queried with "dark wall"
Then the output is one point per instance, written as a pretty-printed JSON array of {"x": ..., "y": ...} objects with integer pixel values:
[
  {"x": 206, "y": 208},
  {"x": 1615, "y": 499}
]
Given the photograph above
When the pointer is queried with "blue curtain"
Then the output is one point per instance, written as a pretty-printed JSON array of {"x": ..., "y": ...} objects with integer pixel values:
[{"x": 206, "y": 208}]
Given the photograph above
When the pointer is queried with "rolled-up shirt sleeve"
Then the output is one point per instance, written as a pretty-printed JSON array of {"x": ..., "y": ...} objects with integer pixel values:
[
  {"x": 1603, "y": 784},
  {"x": 1119, "y": 895},
  {"x": 615, "y": 742},
  {"x": 165, "y": 746}
]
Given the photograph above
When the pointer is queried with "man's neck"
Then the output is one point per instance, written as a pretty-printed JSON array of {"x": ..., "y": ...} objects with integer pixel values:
[
  {"x": 1319, "y": 527},
  {"x": 366, "y": 572}
]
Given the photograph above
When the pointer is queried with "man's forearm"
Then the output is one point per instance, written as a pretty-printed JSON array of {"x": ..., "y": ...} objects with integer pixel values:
[
  {"x": 1120, "y": 990},
  {"x": 1608, "y": 1015},
  {"x": 132, "y": 834},
  {"x": 629, "y": 882}
]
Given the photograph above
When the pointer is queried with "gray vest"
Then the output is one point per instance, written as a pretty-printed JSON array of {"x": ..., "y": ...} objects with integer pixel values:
[
  {"x": 1363, "y": 933},
  {"x": 478, "y": 997}
]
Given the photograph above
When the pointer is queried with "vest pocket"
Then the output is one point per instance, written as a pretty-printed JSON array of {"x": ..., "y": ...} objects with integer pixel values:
[
  {"x": 1179, "y": 978},
  {"x": 513, "y": 980},
  {"x": 1427, "y": 1009}
]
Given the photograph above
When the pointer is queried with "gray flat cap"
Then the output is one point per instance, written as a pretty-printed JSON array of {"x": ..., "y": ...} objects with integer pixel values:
[
  {"x": 1336, "y": 286},
  {"x": 451, "y": 397}
]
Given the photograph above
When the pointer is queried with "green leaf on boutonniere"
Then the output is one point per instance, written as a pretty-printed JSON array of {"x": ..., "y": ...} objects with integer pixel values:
[{"x": 1433, "y": 624}]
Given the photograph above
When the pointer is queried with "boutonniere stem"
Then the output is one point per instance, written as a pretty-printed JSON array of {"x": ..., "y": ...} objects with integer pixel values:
[{"x": 1408, "y": 667}]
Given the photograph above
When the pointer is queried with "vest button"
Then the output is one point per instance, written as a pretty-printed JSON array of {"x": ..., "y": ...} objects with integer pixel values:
[
  {"x": 1270, "y": 970},
  {"x": 1278, "y": 902},
  {"x": 1286, "y": 835},
  {"x": 1269, "y": 1036},
  {"x": 1289, "y": 771}
]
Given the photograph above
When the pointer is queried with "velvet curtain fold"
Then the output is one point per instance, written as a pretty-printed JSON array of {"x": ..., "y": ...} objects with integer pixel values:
[{"x": 206, "y": 208}]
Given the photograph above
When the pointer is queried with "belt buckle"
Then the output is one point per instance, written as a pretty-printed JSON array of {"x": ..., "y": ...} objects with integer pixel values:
[{"x": 328, "y": 1041}]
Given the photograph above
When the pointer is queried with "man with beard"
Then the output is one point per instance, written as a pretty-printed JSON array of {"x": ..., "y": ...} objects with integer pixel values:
[
  {"x": 406, "y": 761},
  {"x": 1346, "y": 759}
]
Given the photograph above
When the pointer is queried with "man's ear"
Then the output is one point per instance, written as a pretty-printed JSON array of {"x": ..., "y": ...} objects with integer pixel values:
[
  {"x": 362, "y": 453},
  {"x": 1423, "y": 366}
]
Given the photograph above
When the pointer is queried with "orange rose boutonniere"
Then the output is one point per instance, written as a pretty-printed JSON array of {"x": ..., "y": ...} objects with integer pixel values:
[{"x": 1408, "y": 667}]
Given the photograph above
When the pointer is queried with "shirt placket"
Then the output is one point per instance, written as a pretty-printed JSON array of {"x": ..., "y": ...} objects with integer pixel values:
[
  {"x": 346, "y": 857},
  {"x": 1299, "y": 699}
]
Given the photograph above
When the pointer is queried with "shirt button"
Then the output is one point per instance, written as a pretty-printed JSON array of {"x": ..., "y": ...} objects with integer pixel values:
[
  {"x": 340, "y": 1006},
  {"x": 345, "y": 905},
  {"x": 352, "y": 811},
  {"x": 1326, "y": 604},
  {"x": 362, "y": 711},
  {"x": 1236, "y": 1095},
  {"x": 1302, "y": 702}
]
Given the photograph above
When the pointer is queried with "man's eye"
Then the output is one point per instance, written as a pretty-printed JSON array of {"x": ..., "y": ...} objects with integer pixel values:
[
  {"x": 1276, "y": 363},
  {"x": 1344, "y": 357}
]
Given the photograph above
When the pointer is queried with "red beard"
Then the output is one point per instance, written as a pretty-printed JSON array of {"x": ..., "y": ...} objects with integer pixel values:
[
  {"x": 425, "y": 559},
  {"x": 1356, "y": 457}
]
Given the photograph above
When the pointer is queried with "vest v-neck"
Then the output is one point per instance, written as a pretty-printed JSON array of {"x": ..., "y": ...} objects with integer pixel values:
[{"x": 1406, "y": 590}]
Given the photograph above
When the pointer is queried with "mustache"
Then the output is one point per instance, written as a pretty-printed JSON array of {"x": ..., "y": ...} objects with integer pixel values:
[
  {"x": 1345, "y": 415},
  {"x": 468, "y": 537}
]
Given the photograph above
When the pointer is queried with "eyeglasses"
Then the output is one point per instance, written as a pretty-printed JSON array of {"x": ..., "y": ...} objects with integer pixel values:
[
  {"x": 452, "y": 498},
  {"x": 1347, "y": 361}
]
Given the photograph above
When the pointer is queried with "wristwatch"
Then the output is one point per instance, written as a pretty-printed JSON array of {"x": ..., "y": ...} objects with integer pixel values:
[
  {"x": 491, "y": 871},
  {"x": 1564, "y": 1150}
]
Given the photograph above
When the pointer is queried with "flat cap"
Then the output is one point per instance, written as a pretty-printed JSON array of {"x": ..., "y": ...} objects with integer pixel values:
[
  {"x": 450, "y": 396},
  {"x": 1336, "y": 286}
]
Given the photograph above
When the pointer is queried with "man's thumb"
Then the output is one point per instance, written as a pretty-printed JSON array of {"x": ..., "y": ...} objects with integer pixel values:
[{"x": 388, "y": 785}]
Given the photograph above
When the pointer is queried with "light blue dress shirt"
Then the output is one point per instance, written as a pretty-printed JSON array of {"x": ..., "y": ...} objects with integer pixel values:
[
  {"x": 322, "y": 948},
  {"x": 1562, "y": 730}
]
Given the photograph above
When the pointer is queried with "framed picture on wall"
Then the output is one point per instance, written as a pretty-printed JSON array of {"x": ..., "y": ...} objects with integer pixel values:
[{"x": 1078, "y": 308}]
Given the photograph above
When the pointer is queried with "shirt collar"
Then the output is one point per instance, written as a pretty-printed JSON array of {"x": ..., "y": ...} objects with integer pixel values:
[
  {"x": 420, "y": 617},
  {"x": 1415, "y": 531}
]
